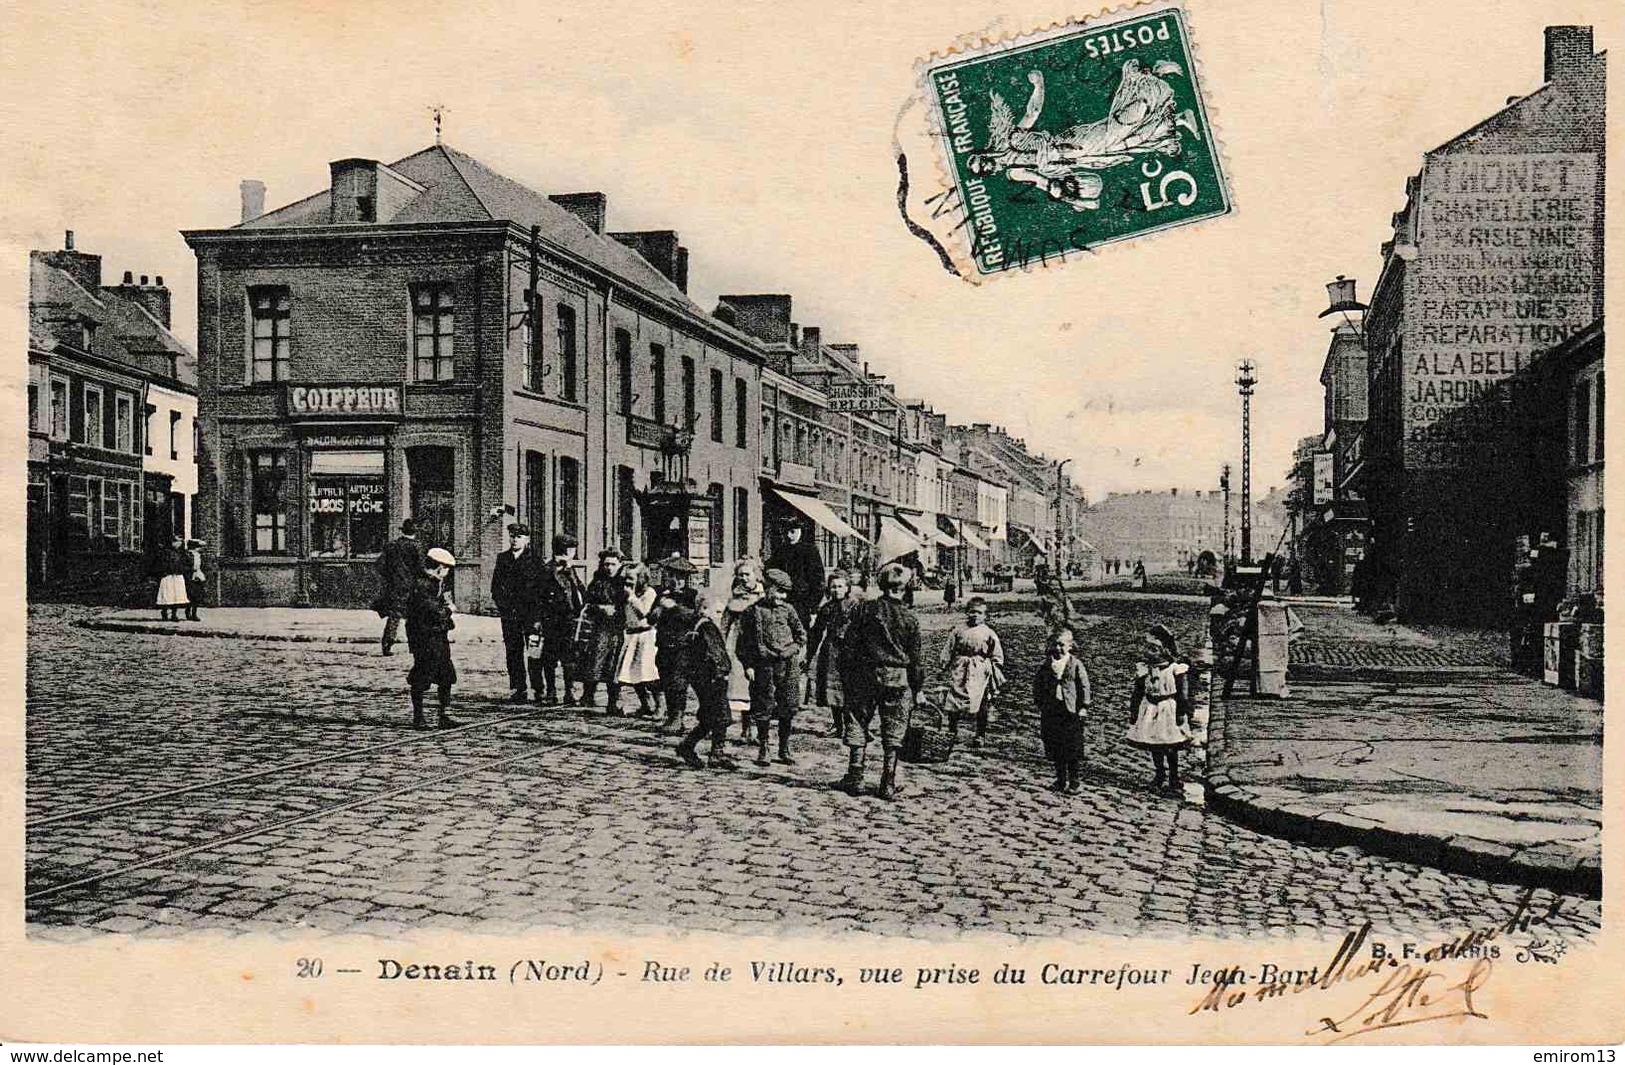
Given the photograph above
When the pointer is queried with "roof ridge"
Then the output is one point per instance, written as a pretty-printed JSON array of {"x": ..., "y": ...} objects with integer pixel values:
[{"x": 451, "y": 155}]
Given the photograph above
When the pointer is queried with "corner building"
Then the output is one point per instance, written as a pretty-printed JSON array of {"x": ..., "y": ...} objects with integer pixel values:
[{"x": 428, "y": 338}]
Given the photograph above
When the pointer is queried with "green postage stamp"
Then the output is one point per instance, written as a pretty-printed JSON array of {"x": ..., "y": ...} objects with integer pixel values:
[{"x": 1062, "y": 141}]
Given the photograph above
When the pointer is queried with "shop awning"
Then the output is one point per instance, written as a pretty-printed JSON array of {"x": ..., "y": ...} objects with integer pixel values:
[
  {"x": 896, "y": 540},
  {"x": 972, "y": 541},
  {"x": 820, "y": 512},
  {"x": 927, "y": 532},
  {"x": 1023, "y": 540}
]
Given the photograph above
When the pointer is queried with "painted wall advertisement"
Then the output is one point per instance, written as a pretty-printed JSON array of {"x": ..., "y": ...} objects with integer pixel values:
[{"x": 1504, "y": 269}]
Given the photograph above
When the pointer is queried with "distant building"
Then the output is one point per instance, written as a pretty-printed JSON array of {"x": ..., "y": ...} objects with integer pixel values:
[
  {"x": 1170, "y": 531},
  {"x": 98, "y": 358}
]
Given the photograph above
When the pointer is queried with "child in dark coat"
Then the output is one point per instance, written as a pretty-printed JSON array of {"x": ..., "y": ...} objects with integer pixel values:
[
  {"x": 702, "y": 659},
  {"x": 771, "y": 638},
  {"x": 1061, "y": 696}
]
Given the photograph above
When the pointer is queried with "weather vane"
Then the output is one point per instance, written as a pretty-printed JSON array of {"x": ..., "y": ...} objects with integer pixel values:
[{"x": 439, "y": 112}]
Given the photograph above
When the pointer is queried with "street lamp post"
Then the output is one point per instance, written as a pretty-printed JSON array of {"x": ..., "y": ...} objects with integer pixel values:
[
  {"x": 1246, "y": 379},
  {"x": 1060, "y": 509},
  {"x": 1224, "y": 486}
]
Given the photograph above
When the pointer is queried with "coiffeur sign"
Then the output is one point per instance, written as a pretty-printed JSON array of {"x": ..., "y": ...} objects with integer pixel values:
[{"x": 344, "y": 400}]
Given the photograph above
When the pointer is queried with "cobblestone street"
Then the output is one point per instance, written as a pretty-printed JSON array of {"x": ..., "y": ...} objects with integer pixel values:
[{"x": 544, "y": 817}]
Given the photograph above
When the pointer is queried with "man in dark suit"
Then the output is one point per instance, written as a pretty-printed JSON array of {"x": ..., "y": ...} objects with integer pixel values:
[
  {"x": 516, "y": 589},
  {"x": 562, "y": 597},
  {"x": 400, "y": 564},
  {"x": 800, "y": 559}
]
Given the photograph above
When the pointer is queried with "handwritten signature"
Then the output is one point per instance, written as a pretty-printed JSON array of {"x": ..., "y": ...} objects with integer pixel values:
[{"x": 1410, "y": 995}]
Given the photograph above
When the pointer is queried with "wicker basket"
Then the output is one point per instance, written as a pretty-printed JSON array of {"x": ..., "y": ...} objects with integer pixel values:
[{"x": 928, "y": 739}]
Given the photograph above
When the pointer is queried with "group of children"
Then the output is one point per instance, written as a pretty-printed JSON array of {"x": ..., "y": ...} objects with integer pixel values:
[{"x": 862, "y": 666}]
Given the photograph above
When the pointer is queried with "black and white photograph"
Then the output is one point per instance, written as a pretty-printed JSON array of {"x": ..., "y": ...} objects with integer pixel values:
[{"x": 762, "y": 524}]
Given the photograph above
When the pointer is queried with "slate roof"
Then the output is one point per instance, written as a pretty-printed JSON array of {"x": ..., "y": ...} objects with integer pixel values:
[
  {"x": 460, "y": 188},
  {"x": 126, "y": 332}
]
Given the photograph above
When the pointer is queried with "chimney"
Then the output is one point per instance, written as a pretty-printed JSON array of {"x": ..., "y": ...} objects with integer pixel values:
[
  {"x": 810, "y": 337},
  {"x": 82, "y": 267},
  {"x": 253, "y": 193},
  {"x": 764, "y": 316},
  {"x": 154, "y": 297},
  {"x": 1567, "y": 50},
  {"x": 354, "y": 191},
  {"x": 592, "y": 208},
  {"x": 660, "y": 249}
]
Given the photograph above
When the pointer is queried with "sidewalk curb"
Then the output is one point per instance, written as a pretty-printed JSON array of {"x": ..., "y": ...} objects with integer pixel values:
[
  {"x": 158, "y": 628},
  {"x": 1554, "y": 866}
]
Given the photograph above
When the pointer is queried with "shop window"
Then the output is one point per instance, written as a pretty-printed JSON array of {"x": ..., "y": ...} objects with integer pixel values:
[
  {"x": 741, "y": 522},
  {"x": 623, "y": 367},
  {"x": 741, "y": 413},
  {"x": 569, "y": 496},
  {"x": 689, "y": 412},
  {"x": 431, "y": 473},
  {"x": 434, "y": 314},
  {"x": 348, "y": 511},
  {"x": 567, "y": 353},
  {"x": 269, "y": 307},
  {"x": 536, "y": 494},
  {"x": 625, "y": 508},
  {"x": 270, "y": 477},
  {"x": 535, "y": 360},
  {"x": 718, "y": 548},
  {"x": 657, "y": 370},
  {"x": 716, "y": 405}
]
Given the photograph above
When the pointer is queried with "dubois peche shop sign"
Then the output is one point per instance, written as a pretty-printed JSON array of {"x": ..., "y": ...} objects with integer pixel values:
[{"x": 344, "y": 401}]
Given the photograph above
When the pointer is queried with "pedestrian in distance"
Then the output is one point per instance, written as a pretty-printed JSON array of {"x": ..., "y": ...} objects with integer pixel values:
[
  {"x": 563, "y": 598},
  {"x": 399, "y": 565},
  {"x": 974, "y": 660},
  {"x": 598, "y": 654},
  {"x": 1062, "y": 698},
  {"x": 194, "y": 581},
  {"x": 429, "y": 623},
  {"x": 1160, "y": 708},
  {"x": 798, "y": 557},
  {"x": 744, "y": 593},
  {"x": 637, "y": 660},
  {"x": 516, "y": 591},
  {"x": 885, "y": 640},
  {"x": 175, "y": 565},
  {"x": 829, "y": 661},
  {"x": 673, "y": 622},
  {"x": 702, "y": 661},
  {"x": 771, "y": 639}
]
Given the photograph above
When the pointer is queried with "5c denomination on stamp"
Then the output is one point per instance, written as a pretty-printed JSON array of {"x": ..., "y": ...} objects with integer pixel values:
[{"x": 1075, "y": 137}]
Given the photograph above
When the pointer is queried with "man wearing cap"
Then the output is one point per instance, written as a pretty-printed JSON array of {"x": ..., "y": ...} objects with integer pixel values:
[
  {"x": 428, "y": 621},
  {"x": 771, "y": 637},
  {"x": 562, "y": 597},
  {"x": 399, "y": 566},
  {"x": 516, "y": 589},
  {"x": 798, "y": 558}
]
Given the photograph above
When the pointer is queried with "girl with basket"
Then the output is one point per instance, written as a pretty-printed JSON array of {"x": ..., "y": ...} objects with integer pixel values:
[{"x": 1160, "y": 709}]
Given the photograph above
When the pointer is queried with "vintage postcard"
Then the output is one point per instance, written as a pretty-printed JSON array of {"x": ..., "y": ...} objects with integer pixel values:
[{"x": 954, "y": 523}]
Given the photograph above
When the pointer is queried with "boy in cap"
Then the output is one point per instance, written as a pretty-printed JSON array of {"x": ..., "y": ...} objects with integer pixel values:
[
  {"x": 428, "y": 620},
  {"x": 771, "y": 637},
  {"x": 399, "y": 566},
  {"x": 702, "y": 658},
  {"x": 673, "y": 622},
  {"x": 885, "y": 644}
]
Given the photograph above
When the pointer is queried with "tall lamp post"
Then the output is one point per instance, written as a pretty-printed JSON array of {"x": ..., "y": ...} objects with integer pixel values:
[
  {"x": 1246, "y": 379},
  {"x": 1060, "y": 509},
  {"x": 1224, "y": 486}
]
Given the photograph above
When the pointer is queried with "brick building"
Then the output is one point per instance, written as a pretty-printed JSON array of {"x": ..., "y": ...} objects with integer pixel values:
[
  {"x": 1496, "y": 257},
  {"x": 99, "y": 357},
  {"x": 430, "y": 338}
]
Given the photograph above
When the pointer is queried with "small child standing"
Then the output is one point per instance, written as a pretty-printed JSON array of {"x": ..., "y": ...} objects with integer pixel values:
[
  {"x": 1160, "y": 708},
  {"x": 974, "y": 658},
  {"x": 826, "y": 649},
  {"x": 702, "y": 659},
  {"x": 1061, "y": 696},
  {"x": 771, "y": 637}
]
